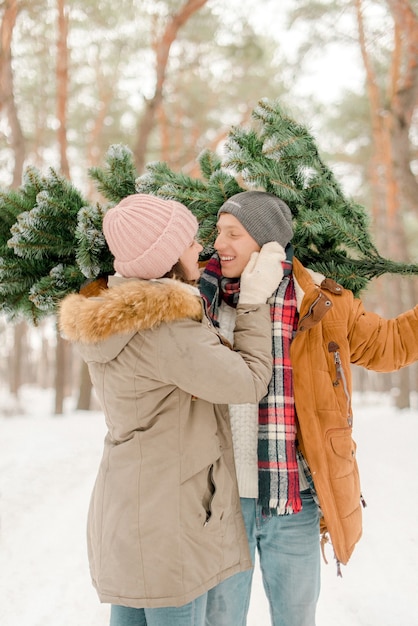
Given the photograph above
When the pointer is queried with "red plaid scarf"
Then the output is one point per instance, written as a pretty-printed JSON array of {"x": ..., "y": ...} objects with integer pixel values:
[{"x": 278, "y": 474}]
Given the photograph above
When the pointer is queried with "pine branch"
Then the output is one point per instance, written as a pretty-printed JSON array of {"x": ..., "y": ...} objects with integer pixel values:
[
  {"x": 202, "y": 197},
  {"x": 209, "y": 163},
  {"x": 17, "y": 275},
  {"x": 39, "y": 264},
  {"x": 16, "y": 279},
  {"x": 47, "y": 292},
  {"x": 93, "y": 256},
  {"x": 116, "y": 179},
  {"x": 47, "y": 230}
]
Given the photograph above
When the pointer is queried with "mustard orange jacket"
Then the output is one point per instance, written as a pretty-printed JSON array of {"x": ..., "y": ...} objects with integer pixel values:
[{"x": 335, "y": 331}]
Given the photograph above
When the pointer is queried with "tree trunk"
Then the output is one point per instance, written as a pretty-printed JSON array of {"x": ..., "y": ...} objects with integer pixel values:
[
  {"x": 7, "y": 99},
  {"x": 16, "y": 358},
  {"x": 403, "y": 397},
  {"x": 60, "y": 374},
  {"x": 162, "y": 48},
  {"x": 62, "y": 86},
  {"x": 61, "y": 362},
  {"x": 394, "y": 185}
]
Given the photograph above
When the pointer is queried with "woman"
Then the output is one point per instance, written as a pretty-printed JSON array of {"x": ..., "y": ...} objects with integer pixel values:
[{"x": 164, "y": 522}]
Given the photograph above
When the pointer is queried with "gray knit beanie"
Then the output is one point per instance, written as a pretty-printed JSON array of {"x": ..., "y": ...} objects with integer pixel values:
[{"x": 263, "y": 215}]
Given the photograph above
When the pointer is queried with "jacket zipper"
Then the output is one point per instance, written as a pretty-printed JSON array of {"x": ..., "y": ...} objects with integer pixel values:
[{"x": 340, "y": 376}]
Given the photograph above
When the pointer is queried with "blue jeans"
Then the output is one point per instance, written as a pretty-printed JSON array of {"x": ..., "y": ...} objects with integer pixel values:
[
  {"x": 289, "y": 553},
  {"x": 192, "y": 614}
]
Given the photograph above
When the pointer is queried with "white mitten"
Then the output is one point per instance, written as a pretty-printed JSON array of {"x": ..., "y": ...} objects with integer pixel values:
[{"x": 262, "y": 274}]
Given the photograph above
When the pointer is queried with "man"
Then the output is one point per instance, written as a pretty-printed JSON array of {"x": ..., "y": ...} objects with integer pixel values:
[{"x": 294, "y": 454}]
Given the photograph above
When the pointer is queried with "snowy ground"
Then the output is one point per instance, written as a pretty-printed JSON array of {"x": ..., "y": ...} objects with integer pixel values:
[{"x": 47, "y": 469}]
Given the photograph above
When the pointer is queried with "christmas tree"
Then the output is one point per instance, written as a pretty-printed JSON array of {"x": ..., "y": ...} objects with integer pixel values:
[
  {"x": 279, "y": 155},
  {"x": 51, "y": 240}
]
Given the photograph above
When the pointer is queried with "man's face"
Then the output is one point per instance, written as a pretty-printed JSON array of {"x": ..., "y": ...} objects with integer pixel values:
[{"x": 234, "y": 245}]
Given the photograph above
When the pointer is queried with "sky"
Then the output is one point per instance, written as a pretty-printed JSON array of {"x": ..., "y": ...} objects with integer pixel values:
[
  {"x": 47, "y": 468},
  {"x": 326, "y": 71}
]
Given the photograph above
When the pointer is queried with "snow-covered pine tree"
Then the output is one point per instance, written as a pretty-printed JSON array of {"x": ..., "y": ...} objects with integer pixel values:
[
  {"x": 57, "y": 243},
  {"x": 18, "y": 274},
  {"x": 51, "y": 240},
  {"x": 279, "y": 155}
]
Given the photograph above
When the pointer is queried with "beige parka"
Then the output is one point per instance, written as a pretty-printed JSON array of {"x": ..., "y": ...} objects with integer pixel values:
[{"x": 164, "y": 523}]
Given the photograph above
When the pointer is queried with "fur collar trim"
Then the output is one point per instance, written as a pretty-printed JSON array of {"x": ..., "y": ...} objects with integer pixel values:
[{"x": 130, "y": 306}]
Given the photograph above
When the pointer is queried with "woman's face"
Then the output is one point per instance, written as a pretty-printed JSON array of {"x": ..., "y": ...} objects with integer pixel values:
[
  {"x": 234, "y": 245},
  {"x": 190, "y": 260}
]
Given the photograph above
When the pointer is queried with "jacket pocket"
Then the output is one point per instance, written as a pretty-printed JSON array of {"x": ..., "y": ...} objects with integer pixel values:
[
  {"x": 197, "y": 495},
  {"x": 208, "y": 499},
  {"x": 344, "y": 475}
]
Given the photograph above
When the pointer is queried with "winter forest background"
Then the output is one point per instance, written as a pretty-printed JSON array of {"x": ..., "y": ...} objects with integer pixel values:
[{"x": 168, "y": 79}]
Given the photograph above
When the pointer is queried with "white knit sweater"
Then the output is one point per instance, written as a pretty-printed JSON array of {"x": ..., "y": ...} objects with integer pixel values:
[{"x": 244, "y": 425}]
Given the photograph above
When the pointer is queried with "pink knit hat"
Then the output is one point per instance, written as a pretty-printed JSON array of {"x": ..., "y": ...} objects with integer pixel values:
[{"x": 147, "y": 235}]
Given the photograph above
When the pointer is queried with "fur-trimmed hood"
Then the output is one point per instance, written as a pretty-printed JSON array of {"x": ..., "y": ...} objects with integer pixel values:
[{"x": 130, "y": 306}]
